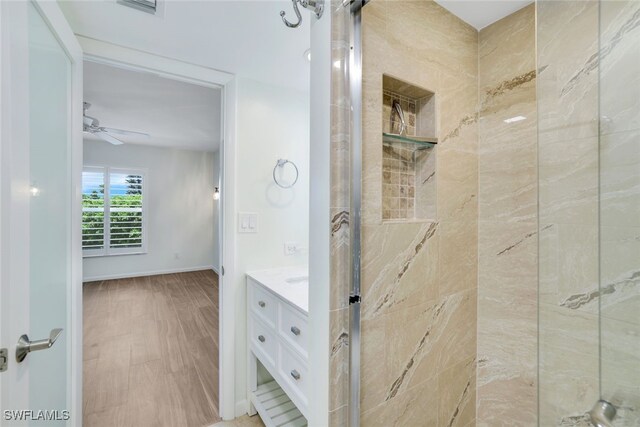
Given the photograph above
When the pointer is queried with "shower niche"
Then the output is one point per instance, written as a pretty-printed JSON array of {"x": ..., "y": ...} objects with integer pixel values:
[{"x": 409, "y": 143}]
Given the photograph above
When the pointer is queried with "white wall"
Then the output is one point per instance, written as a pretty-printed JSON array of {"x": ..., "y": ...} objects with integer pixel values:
[
  {"x": 272, "y": 123},
  {"x": 180, "y": 209},
  {"x": 246, "y": 37},
  {"x": 320, "y": 221}
]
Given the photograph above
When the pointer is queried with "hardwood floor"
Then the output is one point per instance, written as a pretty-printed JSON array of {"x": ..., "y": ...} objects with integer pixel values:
[{"x": 151, "y": 351}]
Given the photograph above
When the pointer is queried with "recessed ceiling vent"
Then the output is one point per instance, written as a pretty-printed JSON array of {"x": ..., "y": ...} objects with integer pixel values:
[{"x": 149, "y": 6}]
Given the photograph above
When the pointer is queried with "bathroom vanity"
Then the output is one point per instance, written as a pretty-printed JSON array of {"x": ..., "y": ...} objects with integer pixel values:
[{"x": 278, "y": 337}]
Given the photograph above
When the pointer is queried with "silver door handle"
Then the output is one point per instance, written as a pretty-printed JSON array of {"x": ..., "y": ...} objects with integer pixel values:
[
  {"x": 25, "y": 346},
  {"x": 295, "y": 330},
  {"x": 295, "y": 374},
  {"x": 261, "y": 338}
]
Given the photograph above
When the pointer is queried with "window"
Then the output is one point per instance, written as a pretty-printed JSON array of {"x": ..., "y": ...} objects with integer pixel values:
[{"x": 113, "y": 211}]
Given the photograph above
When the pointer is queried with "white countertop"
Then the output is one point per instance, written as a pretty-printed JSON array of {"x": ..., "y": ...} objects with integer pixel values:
[{"x": 279, "y": 281}]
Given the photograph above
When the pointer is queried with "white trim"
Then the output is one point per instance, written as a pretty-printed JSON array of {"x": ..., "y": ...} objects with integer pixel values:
[
  {"x": 228, "y": 405},
  {"x": 147, "y": 273},
  {"x": 119, "y": 56},
  {"x": 242, "y": 407},
  {"x": 132, "y": 59}
]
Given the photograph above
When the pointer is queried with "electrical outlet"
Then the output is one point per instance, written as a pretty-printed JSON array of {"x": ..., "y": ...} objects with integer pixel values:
[{"x": 290, "y": 248}]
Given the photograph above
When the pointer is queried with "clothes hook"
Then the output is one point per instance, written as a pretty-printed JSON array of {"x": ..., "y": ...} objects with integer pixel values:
[
  {"x": 297, "y": 11},
  {"x": 316, "y": 5}
]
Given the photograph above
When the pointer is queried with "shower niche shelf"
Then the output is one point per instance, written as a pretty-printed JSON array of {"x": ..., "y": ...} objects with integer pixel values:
[
  {"x": 419, "y": 141},
  {"x": 409, "y": 143}
]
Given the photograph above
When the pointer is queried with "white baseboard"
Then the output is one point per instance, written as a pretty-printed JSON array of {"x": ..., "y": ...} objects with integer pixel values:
[
  {"x": 215, "y": 270},
  {"x": 242, "y": 408},
  {"x": 146, "y": 273}
]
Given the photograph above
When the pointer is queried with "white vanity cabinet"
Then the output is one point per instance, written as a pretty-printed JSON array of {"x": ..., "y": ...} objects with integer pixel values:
[{"x": 278, "y": 336}]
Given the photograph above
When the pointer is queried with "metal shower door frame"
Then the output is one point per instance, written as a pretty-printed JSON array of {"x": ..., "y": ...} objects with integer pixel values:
[{"x": 355, "y": 90}]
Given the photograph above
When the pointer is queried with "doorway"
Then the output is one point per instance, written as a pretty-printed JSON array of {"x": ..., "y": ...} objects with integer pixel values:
[{"x": 151, "y": 247}]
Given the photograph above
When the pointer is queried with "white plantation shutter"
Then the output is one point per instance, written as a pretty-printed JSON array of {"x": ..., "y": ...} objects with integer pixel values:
[
  {"x": 123, "y": 226},
  {"x": 93, "y": 204}
]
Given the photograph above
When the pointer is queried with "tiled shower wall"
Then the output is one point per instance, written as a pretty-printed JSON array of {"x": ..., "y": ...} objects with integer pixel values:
[
  {"x": 507, "y": 224},
  {"x": 419, "y": 277}
]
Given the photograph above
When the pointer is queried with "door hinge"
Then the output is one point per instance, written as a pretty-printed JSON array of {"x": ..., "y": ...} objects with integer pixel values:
[
  {"x": 222, "y": 270},
  {"x": 354, "y": 299},
  {"x": 4, "y": 359}
]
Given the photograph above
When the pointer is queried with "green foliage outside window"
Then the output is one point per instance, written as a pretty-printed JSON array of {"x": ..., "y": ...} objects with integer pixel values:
[{"x": 125, "y": 219}]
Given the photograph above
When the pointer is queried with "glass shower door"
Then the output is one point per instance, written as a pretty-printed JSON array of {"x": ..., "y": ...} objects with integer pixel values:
[
  {"x": 619, "y": 197},
  {"x": 588, "y": 95}
]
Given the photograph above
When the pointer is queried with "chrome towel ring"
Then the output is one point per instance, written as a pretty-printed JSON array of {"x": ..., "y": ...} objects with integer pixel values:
[{"x": 281, "y": 164}]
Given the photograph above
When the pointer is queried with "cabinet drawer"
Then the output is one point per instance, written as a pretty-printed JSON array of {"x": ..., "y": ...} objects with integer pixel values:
[
  {"x": 293, "y": 328},
  {"x": 263, "y": 303},
  {"x": 263, "y": 341},
  {"x": 295, "y": 373}
]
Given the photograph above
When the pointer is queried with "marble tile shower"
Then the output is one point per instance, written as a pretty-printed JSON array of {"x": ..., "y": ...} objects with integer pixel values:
[
  {"x": 419, "y": 306},
  {"x": 507, "y": 227},
  {"x": 514, "y": 300}
]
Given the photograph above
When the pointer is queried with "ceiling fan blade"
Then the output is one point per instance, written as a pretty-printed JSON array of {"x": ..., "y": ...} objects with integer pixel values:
[
  {"x": 105, "y": 136},
  {"x": 125, "y": 132}
]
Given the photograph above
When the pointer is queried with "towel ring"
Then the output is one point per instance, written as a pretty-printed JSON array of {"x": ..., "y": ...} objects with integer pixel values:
[{"x": 280, "y": 164}]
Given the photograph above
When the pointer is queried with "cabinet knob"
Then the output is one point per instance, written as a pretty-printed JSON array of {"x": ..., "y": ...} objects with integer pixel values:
[
  {"x": 262, "y": 304},
  {"x": 295, "y": 330},
  {"x": 261, "y": 338},
  {"x": 295, "y": 374}
]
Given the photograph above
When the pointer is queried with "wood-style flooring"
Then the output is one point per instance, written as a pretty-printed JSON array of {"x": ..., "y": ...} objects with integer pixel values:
[{"x": 151, "y": 351}]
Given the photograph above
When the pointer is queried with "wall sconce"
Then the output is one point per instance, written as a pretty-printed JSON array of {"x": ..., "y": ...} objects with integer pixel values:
[
  {"x": 216, "y": 193},
  {"x": 34, "y": 190}
]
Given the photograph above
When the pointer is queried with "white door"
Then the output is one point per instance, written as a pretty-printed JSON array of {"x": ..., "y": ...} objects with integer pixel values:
[{"x": 40, "y": 170}]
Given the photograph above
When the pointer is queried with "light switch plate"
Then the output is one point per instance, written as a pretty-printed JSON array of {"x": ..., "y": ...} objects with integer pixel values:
[{"x": 247, "y": 222}]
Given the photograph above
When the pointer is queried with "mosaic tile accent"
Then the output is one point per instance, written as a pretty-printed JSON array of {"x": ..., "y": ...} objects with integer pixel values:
[
  {"x": 398, "y": 181},
  {"x": 403, "y": 165}
]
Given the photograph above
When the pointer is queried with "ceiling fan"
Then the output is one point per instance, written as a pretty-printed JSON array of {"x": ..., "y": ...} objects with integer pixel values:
[{"x": 92, "y": 125}]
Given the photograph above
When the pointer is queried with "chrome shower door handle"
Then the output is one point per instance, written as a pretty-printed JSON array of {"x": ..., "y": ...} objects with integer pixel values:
[{"x": 25, "y": 346}]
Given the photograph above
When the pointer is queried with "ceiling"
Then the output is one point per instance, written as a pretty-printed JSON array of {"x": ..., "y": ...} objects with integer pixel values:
[
  {"x": 481, "y": 13},
  {"x": 247, "y": 37},
  {"x": 174, "y": 113}
]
